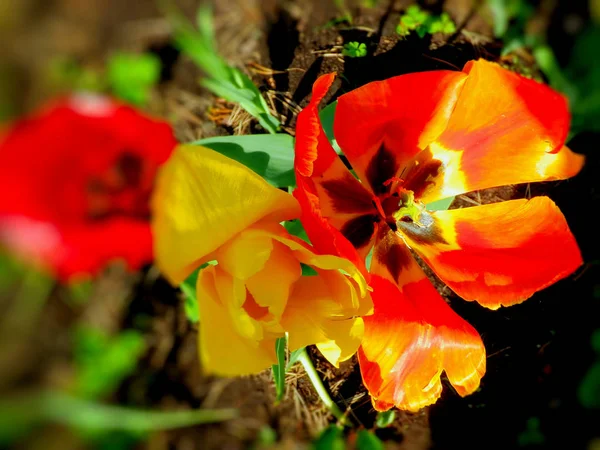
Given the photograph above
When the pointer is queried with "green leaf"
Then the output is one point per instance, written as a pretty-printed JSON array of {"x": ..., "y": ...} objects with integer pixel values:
[
  {"x": 279, "y": 368},
  {"x": 132, "y": 76},
  {"x": 440, "y": 205},
  {"x": 308, "y": 271},
  {"x": 385, "y": 418},
  {"x": 327, "y": 116},
  {"x": 222, "y": 79},
  {"x": 295, "y": 228},
  {"x": 415, "y": 19},
  {"x": 366, "y": 440},
  {"x": 188, "y": 287},
  {"x": 21, "y": 413},
  {"x": 331, "y": 438},
  {"x": 354, "y": 49},
  {"x": 270, "y": 156},
  {"x": 442, "y": 24},
  {"x": 294, "y": 357},
  {"x": 102, "y": 361}
]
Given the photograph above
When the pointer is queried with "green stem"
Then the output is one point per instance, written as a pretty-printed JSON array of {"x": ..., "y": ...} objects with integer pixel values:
[{"x": 314, "y": 378}]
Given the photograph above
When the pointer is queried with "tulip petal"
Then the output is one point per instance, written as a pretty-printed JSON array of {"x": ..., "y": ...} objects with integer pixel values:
[
  {"x": 383, "y": 124},
  {"x": 505, "y": 129},
  {"x": 332, "y": 198},
  {"x": 497, "y": 254},
  {"x": 305, "y": 254},
  {"x": 315, "y": 314},
  {"x": 408, "y": 342},
  {"x": 202, "y": 200},
  {"x": 271, "y": 286},
  {"x": 224, "y": 348}
]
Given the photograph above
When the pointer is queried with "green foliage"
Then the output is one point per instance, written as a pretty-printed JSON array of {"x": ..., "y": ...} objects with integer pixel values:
[
  {"x": 294, "y": 357},
  {"x": 128, "y": 76},
  {"x": 20, "y": 414},
  {"x": 385, "y": 418},
  {"x": 295, "y": 228},
  {"x": 132, "y": 76},
  {"x": 102, "y": 362},
  {"x": 331, "y": 438},
  {"x": 369, "y": 3},
  {"x": 367, "y": 440},
  {"x": 442, "y": 24},
  {"x": 532, "y": 434},
  {"x": 308, "y": 271},
  {"x": 327, "y": 116},
  {"x": 509, "y": 17},
  {"x": 80, "y": 292},
  {"x": 270, "y": 156},
  {"x": 440, "y": 205},
  {"x": 267, "y": 437},
  {"x": 11, "y": 271},
  {"x": 588, "y": 391},
  {"x": 66, "y": 73},
  {"x": 188, "y": 287},
  {"x": 279, "y": 368},
  {"x": 423, "y": 22},
  {"x": 222, "y": 79},
  {"x": 354, "y": 49},
  {"x": 583, "y": 73},
  {"x": 190, "y": 305}
]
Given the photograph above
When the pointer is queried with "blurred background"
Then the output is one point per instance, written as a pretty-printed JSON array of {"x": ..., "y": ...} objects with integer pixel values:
[{"x": 111, "y": 362}]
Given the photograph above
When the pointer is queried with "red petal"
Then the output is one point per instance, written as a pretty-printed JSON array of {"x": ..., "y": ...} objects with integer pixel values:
[
  {"x": 505, "y": 129},
  {"x": 410, "y": 339},
  {"x": 383, "y": 124},
  {"x": 334, "y": 203},
  {"x": 498, "y": 254}
]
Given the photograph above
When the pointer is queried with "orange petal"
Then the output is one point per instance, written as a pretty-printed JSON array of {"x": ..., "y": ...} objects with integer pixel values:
[
  {"x": 505, "y": 129},
  {"x": 383, "y": 124},
  {"x": 497, "y": 254},
  {"x": 331, "y": 198},
  {"x": 413, "y": 337}
]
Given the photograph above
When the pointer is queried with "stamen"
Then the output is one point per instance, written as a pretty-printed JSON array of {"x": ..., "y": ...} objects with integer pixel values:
[{"x": 391, "y": 180}]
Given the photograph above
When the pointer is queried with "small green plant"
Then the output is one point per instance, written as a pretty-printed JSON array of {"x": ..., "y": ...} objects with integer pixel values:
[
  {"x": 230, "y": 83},
  {"x": 131, "y": 76},
  {"x": 128, "y": 76},
  {"x": 416, "y": 19},
  {"x": 103, "y": 361},
  {"x": 355, "y": 49}
]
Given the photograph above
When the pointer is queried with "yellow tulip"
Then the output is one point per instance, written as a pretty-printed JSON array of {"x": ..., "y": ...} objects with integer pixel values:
[{"x": 207, "y": 207}]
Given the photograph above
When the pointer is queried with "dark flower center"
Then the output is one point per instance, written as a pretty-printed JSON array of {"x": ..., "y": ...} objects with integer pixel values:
[{"x": 123, "y": 190}]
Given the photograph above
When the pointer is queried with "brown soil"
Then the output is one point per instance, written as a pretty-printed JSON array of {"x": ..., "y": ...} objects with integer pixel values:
[{"x": 537, "y": 351}]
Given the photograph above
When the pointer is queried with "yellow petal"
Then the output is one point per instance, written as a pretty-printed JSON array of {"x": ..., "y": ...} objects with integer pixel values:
[
  {"x": 346, "y": 335},
  {"x": 245, "y": 254},
  {"x": 223, "y": 351},
  {"x": 271, "y": 286},
  {"x": 201, "y": 200},
  {"x": 314, "y": 316},
  {"x": 306, "y": 255},
  {"x": 232, "y": 295}
]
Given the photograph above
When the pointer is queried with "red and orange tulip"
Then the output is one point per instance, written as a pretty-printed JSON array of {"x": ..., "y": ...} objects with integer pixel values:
[{"x": 412, "y": 140}]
